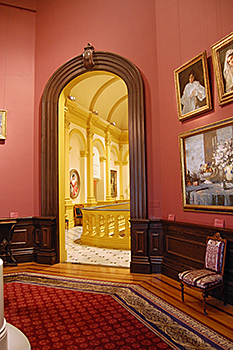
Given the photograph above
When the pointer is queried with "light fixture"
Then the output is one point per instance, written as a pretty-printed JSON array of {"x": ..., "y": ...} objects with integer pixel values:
[
  {"x": 95, "y": 112},
  {"x": 72, "y": 98},
  {"x": 113, "y": 123}
]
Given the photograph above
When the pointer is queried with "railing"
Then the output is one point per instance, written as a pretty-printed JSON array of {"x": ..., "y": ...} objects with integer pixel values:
[{"x": 107, "y": 226}]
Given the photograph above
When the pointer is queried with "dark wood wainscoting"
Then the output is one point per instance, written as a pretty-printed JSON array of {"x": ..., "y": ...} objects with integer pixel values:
[
  {"x": 34, "y": 239},
  {"x": 184, "y": 248},
  {"x": 169, "y": 247},
  {"x": 158, "y": 246}
]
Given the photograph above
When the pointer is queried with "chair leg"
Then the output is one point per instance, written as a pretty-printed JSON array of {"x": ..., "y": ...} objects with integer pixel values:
[
  {"x": 182, "y": 291},
  {"x": 204, "y": 295}
]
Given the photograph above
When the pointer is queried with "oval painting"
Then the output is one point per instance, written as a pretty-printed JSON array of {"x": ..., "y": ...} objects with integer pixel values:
[{"x": 74, "y": 183}]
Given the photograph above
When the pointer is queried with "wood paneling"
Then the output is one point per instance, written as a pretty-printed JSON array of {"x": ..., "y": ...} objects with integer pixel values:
[
  {"x": 139, "y": 246},
  {"x": 34, "y": 240},
  {"x": 184, "y": 248},
  {"x": 155, "y": 245}
]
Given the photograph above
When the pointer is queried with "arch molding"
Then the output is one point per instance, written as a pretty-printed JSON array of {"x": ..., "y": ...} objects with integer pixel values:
[{"x": 104, "y": 61}]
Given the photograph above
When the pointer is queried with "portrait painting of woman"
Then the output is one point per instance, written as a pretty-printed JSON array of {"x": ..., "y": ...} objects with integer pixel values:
[
  {"x": 222, "y": 54},
  {"x": 193, "y": 94},
  {"x": 74, "y": 184},
  {"x": 192, "y": 87},
  {"x": 228, "y": 70}
]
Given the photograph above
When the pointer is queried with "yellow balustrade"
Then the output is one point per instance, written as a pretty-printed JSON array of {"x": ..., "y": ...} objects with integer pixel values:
[{"x": 107, "y": 226}]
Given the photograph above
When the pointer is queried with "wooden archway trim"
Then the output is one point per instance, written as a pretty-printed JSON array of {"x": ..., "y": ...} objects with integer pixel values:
[{"x": 104, "y": 61}]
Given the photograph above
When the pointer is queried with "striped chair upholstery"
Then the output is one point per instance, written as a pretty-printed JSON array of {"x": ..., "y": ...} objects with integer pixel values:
[{"x": 211, "y": 276}]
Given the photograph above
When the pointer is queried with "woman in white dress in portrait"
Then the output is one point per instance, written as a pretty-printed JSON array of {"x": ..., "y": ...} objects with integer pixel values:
[
  {"x": 193, "y": 93},
  {"x": 228, "y": 70}
]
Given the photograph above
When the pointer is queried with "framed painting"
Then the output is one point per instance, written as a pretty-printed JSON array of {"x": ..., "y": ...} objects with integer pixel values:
[
  {"x": 113, "y": 183},
  {"x": 74, "y": 184},
  {"x": 206, "y": 156},
  {"x": 192, "y": 88},
  {"x": 3, "y": 124},
  {"x": 222, "y": 53}
]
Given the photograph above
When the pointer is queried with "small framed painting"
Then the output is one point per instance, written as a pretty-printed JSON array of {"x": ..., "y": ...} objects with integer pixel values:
[
  {"x": 3, "y": 124},
  {"x": 206, "y": 156},
  {"x": 113, "y": 183},
  {"x": 192, "y": 88},
  {"x": 222, "y": 53},
  {"x": 74, "y": 183}
]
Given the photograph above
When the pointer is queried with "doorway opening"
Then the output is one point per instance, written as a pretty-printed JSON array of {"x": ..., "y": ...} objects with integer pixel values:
[
  {"x": 53, "y": 102},
  {"x": 96, "y": 151}
]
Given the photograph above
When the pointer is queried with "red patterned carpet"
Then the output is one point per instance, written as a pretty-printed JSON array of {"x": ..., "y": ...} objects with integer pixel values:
[
  {"x": 73, "y": 314},
  {"x": 54, "y": 318}
]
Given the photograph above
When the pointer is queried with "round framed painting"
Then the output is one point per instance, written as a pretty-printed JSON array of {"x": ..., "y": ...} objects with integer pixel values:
[{"x": 74, "y": 183}]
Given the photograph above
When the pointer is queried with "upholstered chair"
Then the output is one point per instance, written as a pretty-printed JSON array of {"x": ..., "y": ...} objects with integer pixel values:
[
  {"x": 212, "y": 275},
  {"x": 78, "y": 215}
]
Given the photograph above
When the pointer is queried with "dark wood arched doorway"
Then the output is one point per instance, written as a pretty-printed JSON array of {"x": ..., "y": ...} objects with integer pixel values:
[{"x": 118, "y": 65}]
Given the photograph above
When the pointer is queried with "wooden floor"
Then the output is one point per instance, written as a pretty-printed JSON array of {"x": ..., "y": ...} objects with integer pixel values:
[{"x": 220, "y": 318}]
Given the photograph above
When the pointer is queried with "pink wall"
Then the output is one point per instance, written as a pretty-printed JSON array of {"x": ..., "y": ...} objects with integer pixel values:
[
  {"x": 17, "y": 33},
  {"x": 125, "y": 27},
  {"x": 194, "y": 26},
  {"x": 158, "y": 37}
]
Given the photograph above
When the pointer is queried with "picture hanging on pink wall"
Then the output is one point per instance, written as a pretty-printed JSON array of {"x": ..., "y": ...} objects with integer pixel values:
[
  {"x": 206, "y": 156},
  {"x": 3, "y": 124},
  {"x": 222, "y": 53},
  {"x": 192, "y": 88}
]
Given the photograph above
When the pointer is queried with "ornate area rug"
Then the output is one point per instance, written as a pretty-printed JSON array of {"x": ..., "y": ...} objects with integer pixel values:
[{"x": 72, "y": 314}]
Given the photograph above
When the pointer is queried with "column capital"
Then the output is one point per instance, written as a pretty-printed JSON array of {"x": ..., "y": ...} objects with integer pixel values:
[
  {"x": 103, "y": 158},
  {"x": 83, "y": 153}
]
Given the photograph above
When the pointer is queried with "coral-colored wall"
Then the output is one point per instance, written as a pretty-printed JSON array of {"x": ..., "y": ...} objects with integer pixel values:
[
  {"x": 125, "y": 27},
  {"x": 17, "y": 42},
  {"x": 158, "y": 37},
  {"x": 183, "y": 32}
]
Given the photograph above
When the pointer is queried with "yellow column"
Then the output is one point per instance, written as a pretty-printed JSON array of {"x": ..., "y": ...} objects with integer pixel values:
[
  {"x": 101, "y": 185},
  {"x": 62, "y": 111},
  {"x": 90, "y": 185},
  {"x": 121, "y": 171},
  {"x": 108, "y": 183},
  {"x": 68, "y": 202},
  {"x": 83, "y": 176}
]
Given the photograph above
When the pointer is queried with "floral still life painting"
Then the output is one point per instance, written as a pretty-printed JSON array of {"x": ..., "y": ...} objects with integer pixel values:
[{"x": 206, "y": 156}]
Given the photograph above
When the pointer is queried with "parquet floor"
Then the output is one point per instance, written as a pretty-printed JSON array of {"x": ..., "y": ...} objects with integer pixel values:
[{"x": 219, "y": 318}]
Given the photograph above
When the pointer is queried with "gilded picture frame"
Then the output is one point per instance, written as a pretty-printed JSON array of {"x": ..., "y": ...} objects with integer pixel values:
[
  {"x": 206, "y": 157},
  {"x": 193, "y": 88},
  {"x": 74, "y": 183},
  {"x": 3, "y": 114},
  {"x": 222, "y": 55}
]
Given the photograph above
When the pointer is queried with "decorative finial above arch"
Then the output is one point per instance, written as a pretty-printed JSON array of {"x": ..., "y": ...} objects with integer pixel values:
[{"x": 88, "y": 56}]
